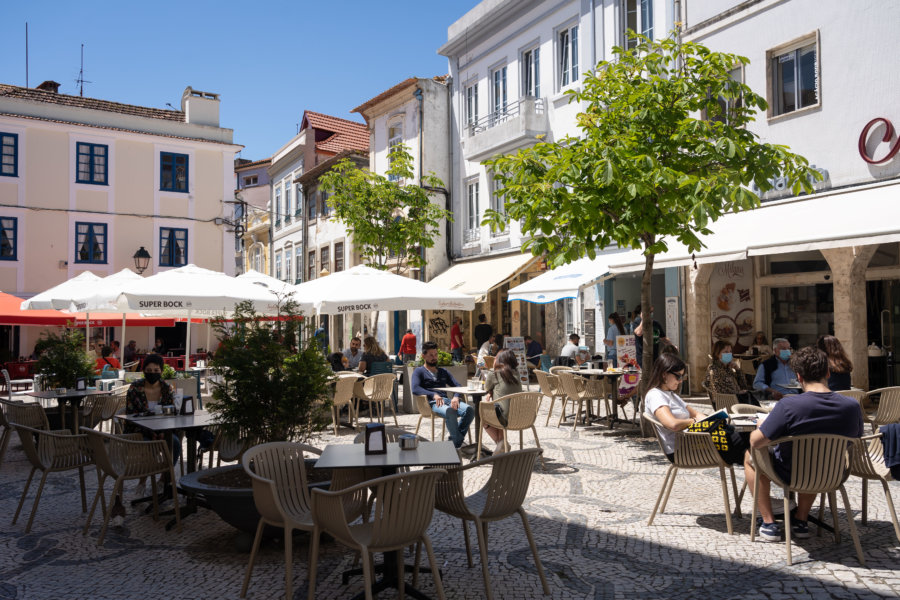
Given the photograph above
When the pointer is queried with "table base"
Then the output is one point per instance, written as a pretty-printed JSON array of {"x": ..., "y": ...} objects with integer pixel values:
[{"x": 389, "y": 580}]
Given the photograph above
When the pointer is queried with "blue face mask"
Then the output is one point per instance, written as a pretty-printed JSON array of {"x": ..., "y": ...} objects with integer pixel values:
[
  {"x": 726, "y": 357},
  {"x": 784, "y": 354}
]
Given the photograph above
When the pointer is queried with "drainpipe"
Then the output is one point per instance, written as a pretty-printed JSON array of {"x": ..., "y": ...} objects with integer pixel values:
[{"x": 421, "y": 100}]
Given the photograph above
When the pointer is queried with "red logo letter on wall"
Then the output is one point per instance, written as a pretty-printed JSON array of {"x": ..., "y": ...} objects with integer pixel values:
[{"x": 888, "y": 134}]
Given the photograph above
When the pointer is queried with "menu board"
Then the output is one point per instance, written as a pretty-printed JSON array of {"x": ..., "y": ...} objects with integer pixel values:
[
  {"x": 731, "y": 304},
  {"x": 517, "y": 345},
  {"x": 590, "y": 330},
  {"x": 626, "y": 351}
]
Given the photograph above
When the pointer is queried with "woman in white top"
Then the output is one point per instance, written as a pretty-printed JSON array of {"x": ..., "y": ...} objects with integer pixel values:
[{"x": 663, "y": 403}]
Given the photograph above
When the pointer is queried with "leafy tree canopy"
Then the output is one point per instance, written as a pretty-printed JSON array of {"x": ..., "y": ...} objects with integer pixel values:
[{"x": 390, "y": 217}]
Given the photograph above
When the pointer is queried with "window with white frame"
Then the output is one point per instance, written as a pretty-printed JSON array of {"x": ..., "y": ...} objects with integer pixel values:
[
  {"x": 472, "y": 209},
  {"x": 298, "y": 260},
  {"x": 311, "y": 266},
  {"x": 323, "y": 202},
  {"x": 727, "y": 106},
  {"x": 288, "y": 255},
  {"x": 638, "y": 18},
  {"x": 325, "y": 259},
  {"x": 92, "y": 163},
  {"x": 298, "y": 205},
  {"x": 497, "y": 201},
  {"x": 251, "y": 180},
  {"x": 531, "y": 72},
  {"x": 278, "y": 206},
  {"x": 567, "y": 46},
  {"x": 288, "y": 213},
  {"x": 472, "y": 105},
  {"x": 395, "y": 138},
  {"x": 499, "y": 95},
  {"x": 256, "y": 262},
  {"x": 278, "y": 265},
  {"x": 795, "y": 77},
  {"x": 173, "y": 172}
]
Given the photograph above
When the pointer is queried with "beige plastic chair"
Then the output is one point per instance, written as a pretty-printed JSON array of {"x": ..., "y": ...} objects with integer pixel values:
[
  {"x": 425, "y": 412},
  {"x": 868, "y": 463},
  {"x": 10, "y": 383},
  {"x": 224, "y": 448},
  {"x": 501, "y": 497},
  {"x": 820, "y": 464},
  {"x": 377, "y": 390},
  {"x": 54, "y": 452},
  {"x": 489, "y": 362},
  {"x": 30, "y": 415},
  {"x": 580, "y": 390},
  {"x": 126, "y": 457},
  {"x": 748, "y": 409},
  {"x": 723, "y": 401},
  {"x": 693, "y": 450},
  {"x": 7, "y": 430},
  {"x": 343, "y": 396},
  {"x": 523, "y": 411},
  {"x": 888, "y": 410},
  {"x": 550, "y": 388},
  {"x": 404, "y": 507},
  {"x": 556, "y": 370},
  {"x": 281, "y": 494}
]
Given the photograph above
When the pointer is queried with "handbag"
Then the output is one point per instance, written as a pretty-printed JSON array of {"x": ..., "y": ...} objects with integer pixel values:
[
  {"x": 500, "y": 416},
  {"x": 728, "y": 442}
]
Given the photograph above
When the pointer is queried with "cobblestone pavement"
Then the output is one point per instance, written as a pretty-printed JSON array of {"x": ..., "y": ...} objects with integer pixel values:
[{"x": 588, "y": 511}]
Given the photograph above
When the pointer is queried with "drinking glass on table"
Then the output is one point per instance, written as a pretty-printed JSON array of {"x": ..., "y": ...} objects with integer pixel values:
[
  {"x": 154, "y": 407},
  {"x": 178, "y": 398}
]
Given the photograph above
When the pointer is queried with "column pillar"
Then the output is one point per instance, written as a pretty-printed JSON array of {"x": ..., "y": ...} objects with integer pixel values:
[
  {"x": 848, "y": 274},
  {"x": 697, "y": 326}
]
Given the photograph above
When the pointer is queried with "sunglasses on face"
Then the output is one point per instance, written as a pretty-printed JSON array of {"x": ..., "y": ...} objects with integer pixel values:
[{"x": 678, "y": 376}]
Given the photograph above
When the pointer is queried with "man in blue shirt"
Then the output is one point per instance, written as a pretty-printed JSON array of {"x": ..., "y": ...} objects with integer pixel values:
[
  {"x": 816, "y": 410},
  {"x": 775, "y": 374},
  {"x": 353, "y": 353},
  {"x": 425, "y": 379}
]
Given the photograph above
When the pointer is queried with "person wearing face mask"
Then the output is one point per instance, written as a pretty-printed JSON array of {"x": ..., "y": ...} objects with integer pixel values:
[
  {"x": 775, "y": 375},
  {"x": 616, "y": 328},
  {"x": 723, "y": 377}
]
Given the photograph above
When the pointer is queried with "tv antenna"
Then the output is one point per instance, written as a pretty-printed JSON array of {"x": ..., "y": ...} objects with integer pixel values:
[{"x": 81, "y": 80}]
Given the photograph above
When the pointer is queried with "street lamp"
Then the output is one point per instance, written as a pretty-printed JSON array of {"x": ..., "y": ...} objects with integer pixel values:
[{"x": 141, "y": 260}]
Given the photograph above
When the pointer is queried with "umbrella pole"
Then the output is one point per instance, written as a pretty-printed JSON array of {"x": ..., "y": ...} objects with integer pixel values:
[
  {"x": 187, "y": 344},
  {"x": 87, "y": 331},
  {"x": 122, "y": 343},
  {"x": 208, "y": 328}
]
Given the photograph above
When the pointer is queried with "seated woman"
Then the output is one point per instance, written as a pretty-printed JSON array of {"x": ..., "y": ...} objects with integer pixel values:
[
  {"x": 372, "y": 353},
  {"x": 723, "y": 377},
  {"x": 672, "y": 412},
  {"x": 839, "y": 364},
  {"x": 502, "y": 381},
  {"x": 106, "y": 358},
  {"x": 761, "y": 345}
]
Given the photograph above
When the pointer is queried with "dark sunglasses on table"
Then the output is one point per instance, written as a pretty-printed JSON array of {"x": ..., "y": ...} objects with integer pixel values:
[{"x": 678, "y": 376}]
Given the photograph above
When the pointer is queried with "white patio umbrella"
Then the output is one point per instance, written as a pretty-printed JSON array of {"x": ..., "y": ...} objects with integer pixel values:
[
  {"x": 59, "y": 296},
  {"x": 281, "y": 287},
  {"x": 101, "y": 296},
  {"x": 362, "y": 288},
  {"x": 192, "y": 291}
]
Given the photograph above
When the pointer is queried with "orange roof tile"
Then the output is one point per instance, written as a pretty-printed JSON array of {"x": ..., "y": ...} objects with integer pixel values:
[
  {"x": 14, "y": 91},
  {"x": 348, "y": 134}
]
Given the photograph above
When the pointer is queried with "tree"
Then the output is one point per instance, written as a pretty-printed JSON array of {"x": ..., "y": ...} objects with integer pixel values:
[
  {"x": 390, "y": 218},
  {"x": 663, "y": 152}
]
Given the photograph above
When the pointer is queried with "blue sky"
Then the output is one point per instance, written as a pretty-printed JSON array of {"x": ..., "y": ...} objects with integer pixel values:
[{"x": 270, "y": 61}]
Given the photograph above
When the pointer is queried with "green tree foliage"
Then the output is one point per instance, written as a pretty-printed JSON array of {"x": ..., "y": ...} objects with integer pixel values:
[
  {"x": 63, "y": 359},
  {"x": 391, "y": 217},
  {"x": 271, "y": 392},
  {"x": 663, "y": 152}
]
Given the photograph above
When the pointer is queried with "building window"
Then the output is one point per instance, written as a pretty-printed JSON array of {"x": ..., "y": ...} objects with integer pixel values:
[
  {"x": 338, "y": 256},
  {"x": 531, "y": 72},
  {"x": 498, "y": 90},
  {"x": 288, "y": 273},
  {"x": 278, "y": 265},
  {"x": 472, "y": 105},
  {"x": 638, "y": 18},
  {"x": 90, "y": 243},
  {"x": 9, "y": 154},
  {"x": 323, "y": 202},
  {"x": 173, "y": 172},
  {"x": 298, "y": 259},
  {"x": 9, "y": 227},
  {"x": 325, "y": 259},
  {"x": 311, "y": 266},
  {"x": 497, "y": 202},
  {"x": 727, "y": 107},
  {"x": 172, "y": 247},
  {"x": 568, "y": 56},
  {"x": 278, "y": 206},
  {"x": 395, "y": 138},
  {"x": 795, "y": 78},
  {"x": 472, "y": 227},
  {"x": 251, "y": 180},
  {"x": 298, "y": 206},
  {"x": 311, "y": 206},
  {"x": 287, "y": 203},
  {"x": 92, "y": 160},
  {"x": 256, "y": 260}
]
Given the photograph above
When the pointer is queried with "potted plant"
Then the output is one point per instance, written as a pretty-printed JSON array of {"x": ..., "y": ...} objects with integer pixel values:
[
  {"x": 445, "y": 360},
  {"x": 270, "y": 392},
  {"x": 62, "y": 359}
]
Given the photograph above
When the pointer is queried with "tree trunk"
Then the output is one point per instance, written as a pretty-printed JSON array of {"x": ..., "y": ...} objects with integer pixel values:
[{"x": 647, "y": 321}]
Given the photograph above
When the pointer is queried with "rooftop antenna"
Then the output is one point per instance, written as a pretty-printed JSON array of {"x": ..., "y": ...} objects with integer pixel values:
[
  {"x": 81, "y": 80},
  {"x": 26, "y": 53},
  {"x": 169, "y": 104}
]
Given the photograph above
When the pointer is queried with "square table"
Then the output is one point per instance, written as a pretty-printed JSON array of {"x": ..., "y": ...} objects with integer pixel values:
[
  {"x": 614, "y": 377},
  {"x": 353, "y": 456},
  {"x": 71, "y": 395},
  {"x": 475, "y": 396}
]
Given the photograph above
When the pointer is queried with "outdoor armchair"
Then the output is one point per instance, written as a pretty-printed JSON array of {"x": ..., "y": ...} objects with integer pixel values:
[
  {"x": 403, "y": 509},
  {"x": 693, "y": 450},
  {"x": 723, "y": 401},
  {"x": 820, "y": 464},
  {"x": 523, "y": 410},
  {"x": 51, "y": 452},
  {"x": 27, "y": 414},
  {"x": 501, "y": 497},
  {"x": 748, "y": 409},
  {"x": 376, "y": 390},
  {"x": 888, "y": 410},
  {"x": 550, "y": 387},
  {"x": 343, "y": 396},
  {"x": 425, "y": 412},
  {"x": 126, "y": 457},
  {"x": 868, "y": 463}
]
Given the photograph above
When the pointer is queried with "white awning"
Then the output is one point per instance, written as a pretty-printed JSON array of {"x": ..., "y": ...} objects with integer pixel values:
[
  {"x": 567, "y": 280},
  {"x": 861, "y": 216},
  {"x": 476, "y": 278}
]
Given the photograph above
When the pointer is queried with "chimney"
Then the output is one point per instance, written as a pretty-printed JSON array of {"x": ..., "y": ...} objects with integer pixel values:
[
  {"x": 49, "y": 86},
  {"x": 200, "y": 108}
]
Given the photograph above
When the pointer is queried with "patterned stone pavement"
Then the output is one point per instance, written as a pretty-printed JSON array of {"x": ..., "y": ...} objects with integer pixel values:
[{"x": 588, "y": 511}]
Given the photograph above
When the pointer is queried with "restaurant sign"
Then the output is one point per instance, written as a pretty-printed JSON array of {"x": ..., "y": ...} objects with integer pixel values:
[{"x": 886, "y": 138}]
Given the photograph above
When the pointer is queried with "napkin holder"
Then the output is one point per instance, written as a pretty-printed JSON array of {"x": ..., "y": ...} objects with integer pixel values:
[
  {"x": 376, "y": 440},
  {"x": 187, "y": 405},
  {"x": 408, "y": 441},
  {"x": 81, "y": 384}
]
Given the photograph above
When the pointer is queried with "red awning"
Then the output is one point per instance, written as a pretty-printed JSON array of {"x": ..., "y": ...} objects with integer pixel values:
[{"x": 115, "y": 320}]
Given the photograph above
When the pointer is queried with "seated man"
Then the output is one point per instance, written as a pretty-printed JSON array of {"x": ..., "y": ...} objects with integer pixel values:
[
  {"x": 353, "y": 353},
  {"x": 533, "y": 351},
  {"x": 572, "y": 350},
  {"x": 775, "y": 373},
  {"x": 816, "y": 410},
  {"x": 428, "y": 377}
]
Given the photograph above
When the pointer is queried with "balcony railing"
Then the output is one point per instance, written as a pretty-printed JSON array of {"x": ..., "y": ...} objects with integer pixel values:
[{"x": 511, "y": 111}]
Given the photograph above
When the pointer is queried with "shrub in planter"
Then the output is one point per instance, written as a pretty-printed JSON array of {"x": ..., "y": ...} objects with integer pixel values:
[{"x": 62, "y": 358}]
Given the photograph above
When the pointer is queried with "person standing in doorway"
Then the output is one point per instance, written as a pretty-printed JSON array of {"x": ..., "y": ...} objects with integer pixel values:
[
  {"x": 616, "y": 328},
  {"x": 456, "y": 340},
  {"x": 408, "y": 346},
  {"x": 483, "y": 331}
]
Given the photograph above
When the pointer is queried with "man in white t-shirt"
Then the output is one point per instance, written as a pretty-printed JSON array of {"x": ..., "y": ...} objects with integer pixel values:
[{"x": 571, "y": 350}]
